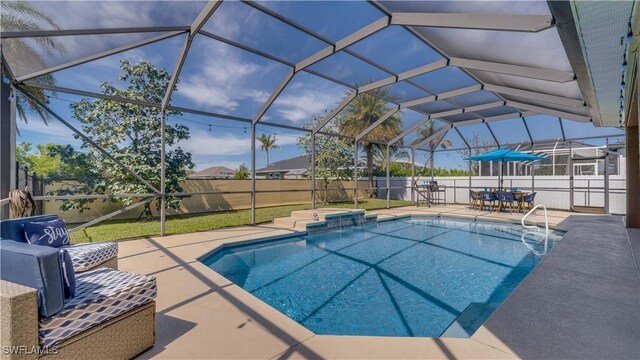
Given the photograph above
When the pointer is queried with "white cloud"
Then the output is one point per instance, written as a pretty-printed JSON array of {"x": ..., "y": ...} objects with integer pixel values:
[
  {"x": 203, "y": 143},
  {"x": 36, "y": 131},
  {"x": 304, "y": 105},
  {"x": 223, "y": 79}
]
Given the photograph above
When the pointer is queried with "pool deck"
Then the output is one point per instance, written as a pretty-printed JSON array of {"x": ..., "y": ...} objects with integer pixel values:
[{"x": 582, "y": 301}]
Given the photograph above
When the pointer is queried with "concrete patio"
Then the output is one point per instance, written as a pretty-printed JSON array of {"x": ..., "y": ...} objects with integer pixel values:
[{"x": 581, "y": 302}]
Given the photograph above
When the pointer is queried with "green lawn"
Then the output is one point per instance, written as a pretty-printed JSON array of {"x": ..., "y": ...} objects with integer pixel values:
[{"x": 179, "y": 224}]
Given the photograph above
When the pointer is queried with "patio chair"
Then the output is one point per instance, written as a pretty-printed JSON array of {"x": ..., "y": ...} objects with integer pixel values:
[
  {"x": 85, "y": 257},
  {"x": 111, "y": 316},
  {"x": 506, "y": 198},
  {"x": 487, "y": 198},
  {"x": 474, "y": 199},
  {"x": 435, "y": 191},
  {"x": 529, "y": 200}
]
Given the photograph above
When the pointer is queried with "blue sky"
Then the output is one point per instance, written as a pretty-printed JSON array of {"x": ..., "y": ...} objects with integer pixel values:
[{"x": 220, "y": 78}]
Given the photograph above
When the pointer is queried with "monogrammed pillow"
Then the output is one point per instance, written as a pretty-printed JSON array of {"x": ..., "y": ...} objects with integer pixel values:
[{"x": 47, "y": 233}]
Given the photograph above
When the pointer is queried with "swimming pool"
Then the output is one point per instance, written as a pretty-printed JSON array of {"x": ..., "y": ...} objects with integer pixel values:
[{"x": 415, "y": 276}]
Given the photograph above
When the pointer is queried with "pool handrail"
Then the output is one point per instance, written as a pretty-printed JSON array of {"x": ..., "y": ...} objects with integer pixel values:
[{"x": 546, "y": 219}]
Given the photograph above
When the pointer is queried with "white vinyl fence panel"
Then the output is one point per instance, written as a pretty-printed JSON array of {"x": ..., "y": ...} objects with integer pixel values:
[{"x": 552, "y": 191}]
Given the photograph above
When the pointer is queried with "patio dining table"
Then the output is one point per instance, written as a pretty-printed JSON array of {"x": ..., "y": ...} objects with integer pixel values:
[{"x": 516, "y": 194}]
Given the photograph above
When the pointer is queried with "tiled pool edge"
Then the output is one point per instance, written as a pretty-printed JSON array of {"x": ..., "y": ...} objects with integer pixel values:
[{"x": 207, "y": 257}]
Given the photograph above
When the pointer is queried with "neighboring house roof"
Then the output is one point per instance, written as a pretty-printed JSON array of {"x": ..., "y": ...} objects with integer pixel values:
[
  {"x": 296, "y": 163},
  {"x": 214, "y": 171}
]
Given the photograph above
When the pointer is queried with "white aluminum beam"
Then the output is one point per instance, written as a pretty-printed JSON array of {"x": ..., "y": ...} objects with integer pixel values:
[
  {"x": 335, "y": 111},
  {"x": 97, "y": 56},
  {"x": 461, "y": 91},
  {"x": 444, "y": 95},
  {"x": 274, "y": 95},
  {"x": 420, "y": 101},
  {"x": 544, "y": 110},
  {"x": 446, "y": 113},
  {"x": 411, "y": 129},
  {"x": 44, "y": 86},
  {"x": 480, "y": 120},
  {"x": 516, "y": 70},
  {"x": 320, "y": 55},
  {"x": 378, "y": 84},
  {"x": 112, "y": 214},
  {"x": 197, "y": 24},
  {"x": 490, "y": 105},
  {"x": 502, "y": 22},
  {"x": 423, "y": 69},
  {"x": 366, "y": 31},
  {"x": 344, "y": 42},
  {"x": 559, "y": 100},
  {"x": 76, "y": 32},
  {"x": 384, "y": 117},
  {"x": 87, "y": 139},
  {"x": 404, "y": 75},
  {"x": 433, "y": 136}
]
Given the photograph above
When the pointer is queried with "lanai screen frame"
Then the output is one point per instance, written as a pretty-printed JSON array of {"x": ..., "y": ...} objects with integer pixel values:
[{"x": 503, "y": 22}]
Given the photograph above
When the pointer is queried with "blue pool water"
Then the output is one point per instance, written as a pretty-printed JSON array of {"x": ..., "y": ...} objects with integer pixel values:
[{"x": 419, "y": 276}]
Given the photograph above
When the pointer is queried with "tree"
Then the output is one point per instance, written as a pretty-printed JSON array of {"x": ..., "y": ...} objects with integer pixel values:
[
  {"x": 267, "y": 143},
  {"x": 334, "y": 155},
  {"x": 362, "y": 112},
  {"x": 21, "y": 16},
  {"x": 242, "y": 173},
  {"x": 426, "y": 131},
  {"x": 395, "y": 153},
  {"x": 130, "y": 133},
  {"x": 42, "y": 161}
]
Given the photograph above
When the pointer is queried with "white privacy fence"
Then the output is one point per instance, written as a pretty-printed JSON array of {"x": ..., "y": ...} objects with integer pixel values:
[{"x": 552, "y": 191}]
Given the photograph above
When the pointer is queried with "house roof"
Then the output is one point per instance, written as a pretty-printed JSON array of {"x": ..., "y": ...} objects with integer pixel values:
[
  {"x": 214, "y": 171},
  {"x": 299, "y": 162}
]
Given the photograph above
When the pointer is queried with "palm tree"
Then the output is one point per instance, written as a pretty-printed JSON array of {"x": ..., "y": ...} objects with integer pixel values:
[
  {"x": 21, "y": 16},
  {"x": 363, "y": 111},
  {"x": 395, "y": 153},
  {"x": 268, "y": 143},
  {"x": 426, "y": 131}
]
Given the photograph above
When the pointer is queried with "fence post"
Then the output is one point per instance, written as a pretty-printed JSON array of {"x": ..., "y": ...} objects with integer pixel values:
[
  {"x": 413, "y": 174},
  {"x": 388, "y": 178},
  {"x": 606, "y": 178},
  {"x": 163, "y": 167},
  {"x": 253, "y": 174},
  {"x": 454, "y": 192},
  {"x": 313, "y": 170},
  {"x": 571, "y": 185},
  {"x": 355, "y": 174}
]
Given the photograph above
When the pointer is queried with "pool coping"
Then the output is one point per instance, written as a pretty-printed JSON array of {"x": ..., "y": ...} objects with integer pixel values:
[
  {"x": 486, "y": 339},
  {"x": 197, "y": 306},
  {"x": 297, "y": 233}
]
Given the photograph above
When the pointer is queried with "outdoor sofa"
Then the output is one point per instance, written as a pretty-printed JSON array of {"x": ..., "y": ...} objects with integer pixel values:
[{"x": 111, "y": 316}]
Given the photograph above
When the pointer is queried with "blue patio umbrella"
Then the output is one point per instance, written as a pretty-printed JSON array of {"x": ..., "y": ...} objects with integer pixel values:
[{"x": 505, "y": 155}]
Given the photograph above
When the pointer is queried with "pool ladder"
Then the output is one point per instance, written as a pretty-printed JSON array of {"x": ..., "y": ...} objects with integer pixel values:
[
  {"x": 544, "y": 236},
  {"x": 535, "y": 227}
]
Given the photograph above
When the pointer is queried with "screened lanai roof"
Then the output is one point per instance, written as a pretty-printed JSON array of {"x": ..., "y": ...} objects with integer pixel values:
[{"x": 518, "y": 65}]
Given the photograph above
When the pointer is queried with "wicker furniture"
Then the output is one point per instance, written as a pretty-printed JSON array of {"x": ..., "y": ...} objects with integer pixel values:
[
  {"x": 111, "y": 316},
  {"x": 121, "y": 337}
]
